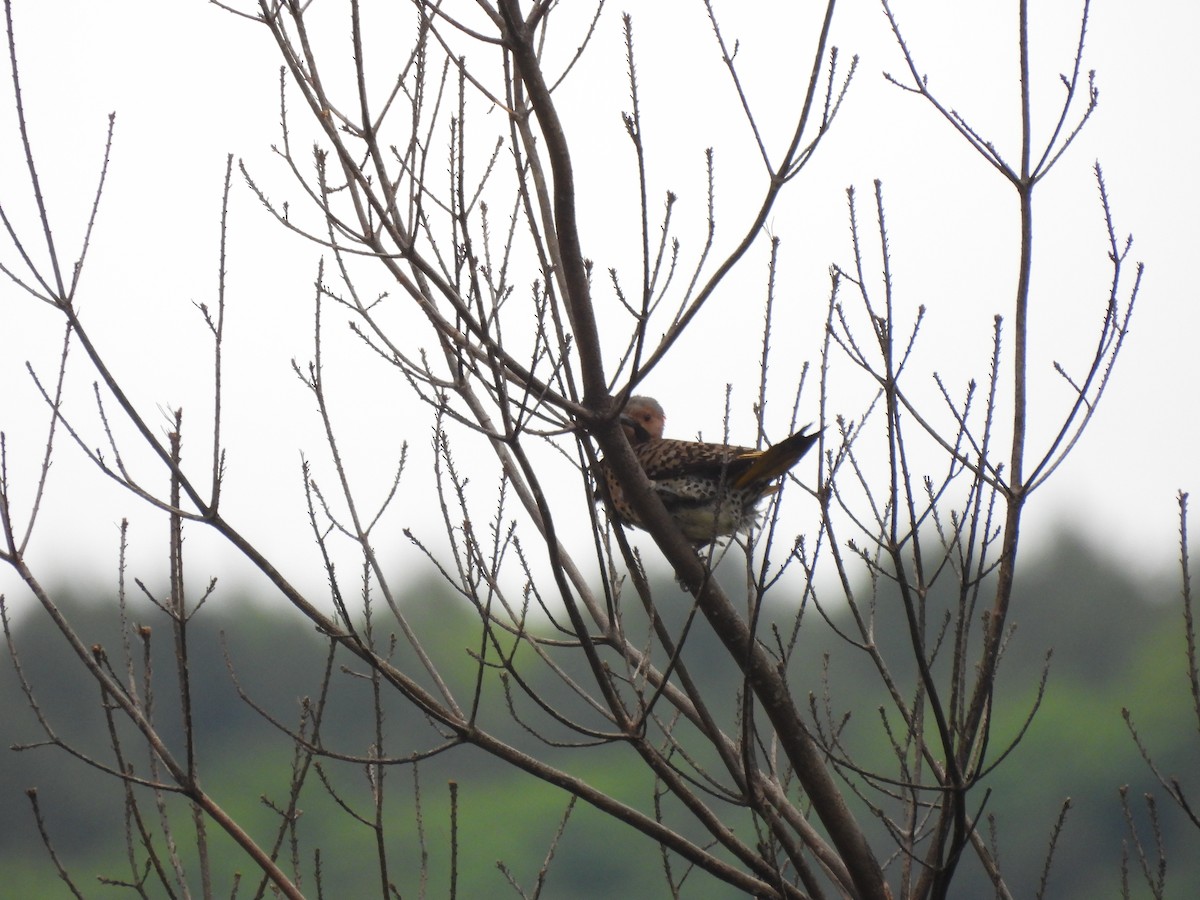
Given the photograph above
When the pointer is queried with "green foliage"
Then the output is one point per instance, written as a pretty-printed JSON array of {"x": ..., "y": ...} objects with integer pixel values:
[{"x": 1115, "y": 643}]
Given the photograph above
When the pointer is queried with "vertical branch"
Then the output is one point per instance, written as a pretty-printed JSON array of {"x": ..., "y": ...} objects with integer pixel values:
[
  {"x": 59, "y": 290},
  {"x": 518, "y": 39},
  {"x": 453, "y": 840},
  {"x": 177, "y": 609},
  {"x": 217, "y": 327},
  {"x": 376, "y": 772},
  {"x": 1015, "y": 489},
  {"x": 633, "y": 127},
  {"x": 1189, "y": 619}
]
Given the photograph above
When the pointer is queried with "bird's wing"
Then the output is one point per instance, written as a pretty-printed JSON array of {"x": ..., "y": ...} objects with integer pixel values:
[
  {"x": 740, "y": 466},
  {"x": 675, "y": 459},
  {"x": 767, "y": 465}
]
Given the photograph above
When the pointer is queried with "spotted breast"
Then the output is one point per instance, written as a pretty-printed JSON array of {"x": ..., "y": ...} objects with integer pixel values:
[{"x": 710, "y": 490}]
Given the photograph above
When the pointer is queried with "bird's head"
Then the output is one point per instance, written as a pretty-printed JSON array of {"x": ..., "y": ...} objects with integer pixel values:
[{"x": 643, "y": 420}]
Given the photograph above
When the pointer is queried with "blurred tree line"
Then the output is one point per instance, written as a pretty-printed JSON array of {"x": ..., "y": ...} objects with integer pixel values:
[{"x": 1114, "y": 642}]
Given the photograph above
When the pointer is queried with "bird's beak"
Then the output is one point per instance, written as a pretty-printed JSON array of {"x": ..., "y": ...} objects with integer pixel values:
[{"x": 633, "y": 430}]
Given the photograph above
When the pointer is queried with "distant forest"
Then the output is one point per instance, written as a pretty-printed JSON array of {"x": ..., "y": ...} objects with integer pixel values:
[{"x": 1109, "y": 643}]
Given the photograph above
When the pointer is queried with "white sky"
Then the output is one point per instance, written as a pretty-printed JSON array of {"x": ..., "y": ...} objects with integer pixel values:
[{"x": 190, "y": 84}]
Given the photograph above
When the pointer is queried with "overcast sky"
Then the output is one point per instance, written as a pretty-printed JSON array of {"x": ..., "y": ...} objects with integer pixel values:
[{"x": 191, "y": 84}]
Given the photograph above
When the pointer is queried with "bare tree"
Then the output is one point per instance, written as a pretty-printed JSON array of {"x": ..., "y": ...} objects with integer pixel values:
[
  {"x": 1150, "y": 854},
  {"x": 445, "y": 173}
]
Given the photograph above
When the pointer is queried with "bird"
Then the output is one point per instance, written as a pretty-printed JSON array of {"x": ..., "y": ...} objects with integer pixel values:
[{"x": 710, "y": 490}]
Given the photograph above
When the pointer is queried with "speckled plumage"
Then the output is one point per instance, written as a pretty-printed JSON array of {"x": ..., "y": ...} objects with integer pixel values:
[{"x": 710, "y": 490}]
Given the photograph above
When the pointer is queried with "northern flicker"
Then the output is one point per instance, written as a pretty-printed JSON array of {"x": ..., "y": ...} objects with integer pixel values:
[{"x": 710, "y": 490}]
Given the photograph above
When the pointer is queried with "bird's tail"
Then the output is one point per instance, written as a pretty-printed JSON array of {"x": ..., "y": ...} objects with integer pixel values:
[{"x": 777, "y": 459}]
